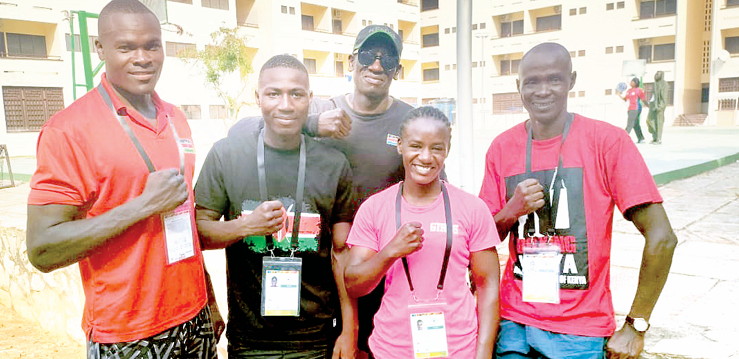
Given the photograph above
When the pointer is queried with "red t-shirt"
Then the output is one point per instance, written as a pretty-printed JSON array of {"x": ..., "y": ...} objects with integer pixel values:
[
  {"x": 633, "y": 95},
  {"x": 86, "y": 159},
  {"x": 601, "y": 168}
]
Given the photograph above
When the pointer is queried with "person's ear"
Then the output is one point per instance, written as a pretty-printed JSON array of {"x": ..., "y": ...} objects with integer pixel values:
[
  {"x": 397, "y": 72},
  {"x": 351, "y": 63},
  {"x": 256, "y": 97},
  {"x": 518, "y": 85},
  {"x": 400, "y": 151},
  {"x": 573, "y": 79},
  {"x": 99, "y": 49}
]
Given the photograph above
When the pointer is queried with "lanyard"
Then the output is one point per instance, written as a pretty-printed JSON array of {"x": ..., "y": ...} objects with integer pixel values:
[
  {"x": 557, "y": 171},
  {"x": 449, "y": 235},
  {"x": 298, "y": 192},
  {"x": 135, "y": 140}
]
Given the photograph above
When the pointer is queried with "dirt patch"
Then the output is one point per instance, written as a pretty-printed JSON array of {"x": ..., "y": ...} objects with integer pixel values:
[{"x": 21, "y": 339}]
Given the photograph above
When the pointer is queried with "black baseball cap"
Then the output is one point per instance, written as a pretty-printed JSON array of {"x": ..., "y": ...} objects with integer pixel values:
[{"x": 380, "y": 31}]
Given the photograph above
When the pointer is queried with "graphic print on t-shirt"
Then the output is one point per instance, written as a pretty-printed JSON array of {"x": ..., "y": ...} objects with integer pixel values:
[
  {"x": 308, "y": 237},
  {"x": 570, "y": 234}
]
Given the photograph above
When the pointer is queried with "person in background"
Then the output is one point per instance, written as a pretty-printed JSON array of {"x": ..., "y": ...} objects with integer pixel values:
[
  {"x": 633, "y": 95},
  {"x": 657, "y": 105}
]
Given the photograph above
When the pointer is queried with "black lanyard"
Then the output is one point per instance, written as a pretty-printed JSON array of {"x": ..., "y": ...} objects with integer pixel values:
[
  {"x": 298, "y": 192},
  {"x": 449, "y": 235},
  {"x": 135, "y": 140},
  {"x": 557, "y": 173}
]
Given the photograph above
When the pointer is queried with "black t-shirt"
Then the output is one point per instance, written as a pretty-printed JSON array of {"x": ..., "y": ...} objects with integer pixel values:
[{"x": 229, "y": 184}]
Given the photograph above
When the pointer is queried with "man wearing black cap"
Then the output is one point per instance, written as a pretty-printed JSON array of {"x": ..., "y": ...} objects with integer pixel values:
[{"x": 365, "y": 126}]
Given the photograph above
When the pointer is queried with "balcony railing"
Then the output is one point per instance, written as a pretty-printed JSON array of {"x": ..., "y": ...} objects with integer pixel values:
[
  {"x": 248, "y": 24},
  {"x": 407, "y": 2}
]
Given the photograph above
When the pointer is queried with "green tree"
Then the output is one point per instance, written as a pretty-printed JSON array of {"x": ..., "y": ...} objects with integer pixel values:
[{"x": 224, "y": 59}]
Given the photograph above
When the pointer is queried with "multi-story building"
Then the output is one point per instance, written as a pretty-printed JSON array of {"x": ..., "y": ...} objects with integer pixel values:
[
  {"x": 604, "y": 37},
  {"x": 36, "y": 57}
]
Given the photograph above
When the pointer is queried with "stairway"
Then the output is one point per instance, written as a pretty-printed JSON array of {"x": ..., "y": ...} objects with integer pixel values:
[{"x": 690, "y": 120}]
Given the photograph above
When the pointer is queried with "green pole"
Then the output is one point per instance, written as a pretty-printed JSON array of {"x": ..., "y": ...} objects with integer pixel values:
[
  {"x": 85, "y": 47},
  {"x": 71, "y": 40}
]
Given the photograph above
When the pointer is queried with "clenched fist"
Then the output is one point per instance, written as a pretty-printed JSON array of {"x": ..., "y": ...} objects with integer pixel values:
[
  {"x": 334, "y": 123},
  {"x": 408, "y": 239},
  {"x": 164, "y": 190}
]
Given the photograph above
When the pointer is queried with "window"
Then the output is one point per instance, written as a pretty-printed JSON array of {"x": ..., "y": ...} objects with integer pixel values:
[
  {"x": 28, "y": 108},
  {"x": 454, "y": 66},
  {"x": 573, "y": 12},
  {"x": 581, "y": 94},
  {"x": 620, "y": 5},
  {"x": 609, "y": 50},
  {"x": 483, "y": 25},
  {"x": 731, "y": 44},
  {"x": 474, "y": 26},
  {"x": 511, "y": 28},
  {"x": 177, "y": 49},
  {"x": 507, "y": 103},
  {"x": 292, "y": 10},
  {"x": 2, "y": 45},
  {"x": 664, "y": 52},
  {"x": 730, "y": 84},
  {"x": 581, "y": 53},
  {"x": 619, "y": 49},
  {"x": 216, "y": 4},
  {"x": 430, "y": 40},
  {"x": 219, "y": 112},
  {"x": 609, "y": 6},
  {"x": 182, "y": 1},
  {"x": 509, "y": 67},
  {"x": 307, "y": 22},
  {"x": 429, "y": 5},
  {"x": 645, "y": 52},
  {"x": 339, "y": 66},
  {"x": 77, "y": 45},
  {"x": 652, "y": 8},
  {"x": 192, "y": 112},
  {"x": 583, "y": 10},
  {"x": 364, "y": 22},
  {"x": 337, "y": 26},
  {"x": 474, "y": 64},
  {"x": 25, "y": 45},
  {"x": 454, "y": 30},
  {"x": 732, "y": 2},
  {"x": 670, "y": 91},
  {"x": 609, "y": 92},
  {"x": 446, "y": 31},
  {"x": 545, "y": 23},
  {"x": 283, "y": 9},
  {"x": 447, "y": 67},
  {"x": 431, "y": 75},
  {"x": 310, "y": 65},
  {"x": 572, "y": 94},
  {"x": 705, "y": 90}
]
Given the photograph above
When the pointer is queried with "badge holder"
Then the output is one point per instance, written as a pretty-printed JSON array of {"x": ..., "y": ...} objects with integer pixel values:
[
  {"x": 428, "y": 327},
  {"x": 178, "y": 233},
  {"x": 541, "y": 273},
  {"x": 281, "y": 278}
]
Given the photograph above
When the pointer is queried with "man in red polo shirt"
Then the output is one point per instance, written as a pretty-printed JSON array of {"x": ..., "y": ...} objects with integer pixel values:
[{"x": 113, "y": 192}]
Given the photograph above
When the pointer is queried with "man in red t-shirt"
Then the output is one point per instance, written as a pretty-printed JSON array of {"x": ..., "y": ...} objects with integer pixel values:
[
  {"x": 633, "y": 96},
  {"x": 113, "y": 193},
  {"x": 552, "y": 182}
]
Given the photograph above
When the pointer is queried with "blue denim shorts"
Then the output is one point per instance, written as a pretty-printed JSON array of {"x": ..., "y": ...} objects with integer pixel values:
[{"x": 522, "y": 341}]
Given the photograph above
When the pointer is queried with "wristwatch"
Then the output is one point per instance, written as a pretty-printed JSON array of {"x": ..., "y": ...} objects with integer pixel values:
[{"x": 641, "y": 325}]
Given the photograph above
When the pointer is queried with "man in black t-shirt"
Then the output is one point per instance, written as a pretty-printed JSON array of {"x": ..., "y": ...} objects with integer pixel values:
[{"x": 229, "y": 186}]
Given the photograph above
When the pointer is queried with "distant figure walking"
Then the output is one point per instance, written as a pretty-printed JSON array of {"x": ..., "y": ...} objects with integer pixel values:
[
  {"x": 633, "y": 95},
  {"x": 657, "y": 104}
]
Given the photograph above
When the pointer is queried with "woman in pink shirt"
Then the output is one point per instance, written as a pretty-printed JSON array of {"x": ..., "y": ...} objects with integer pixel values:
[
  {"x": 427, "y": 310},
  {"x": 633, "y": 95}
]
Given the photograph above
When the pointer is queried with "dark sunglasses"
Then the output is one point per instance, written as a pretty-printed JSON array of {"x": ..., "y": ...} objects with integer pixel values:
[{"x": 367, "y": 58}]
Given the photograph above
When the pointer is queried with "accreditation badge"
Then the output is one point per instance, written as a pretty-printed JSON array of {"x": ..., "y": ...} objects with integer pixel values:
[
  {"x": 281, "y": 278},
  {"x": 428, "y": 328},
  {"x": 178, "y": 233},
  {"x": 541, "y": 273}
]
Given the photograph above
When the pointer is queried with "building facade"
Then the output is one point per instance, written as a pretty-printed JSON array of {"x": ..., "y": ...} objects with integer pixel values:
[{"x": 36, "y": 58}]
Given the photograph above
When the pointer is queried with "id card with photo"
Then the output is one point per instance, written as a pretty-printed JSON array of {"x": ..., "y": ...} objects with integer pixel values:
[
  {"x": 428, "y": 331},
  {"x": 281, "y": 278},
  {"x": 541, "y": 274},
  {"x": 178, "y": 233}
]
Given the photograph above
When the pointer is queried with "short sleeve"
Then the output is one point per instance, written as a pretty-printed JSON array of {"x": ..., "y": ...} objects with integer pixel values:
[
  {"x": 483, "y": 233},
  {"x": 344, "y": 203},
  {"x": 628, "y": 178},
  {"x": 363, "y": 232},
  {"x": 63, "y": 171},
  {"x": 493, "y": 191},
  {"x": 210, "y": 191}
]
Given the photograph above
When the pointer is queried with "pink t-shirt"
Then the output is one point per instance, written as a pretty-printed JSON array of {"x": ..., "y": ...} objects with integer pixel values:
[
  {"x": 633, "y": 95},
  {"x": 601, "y": 168},
  {"x": 474, "y": 230}
]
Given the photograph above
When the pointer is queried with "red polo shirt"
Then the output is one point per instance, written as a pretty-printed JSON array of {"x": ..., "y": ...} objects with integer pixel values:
[{"x": 86, "y": 159}]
